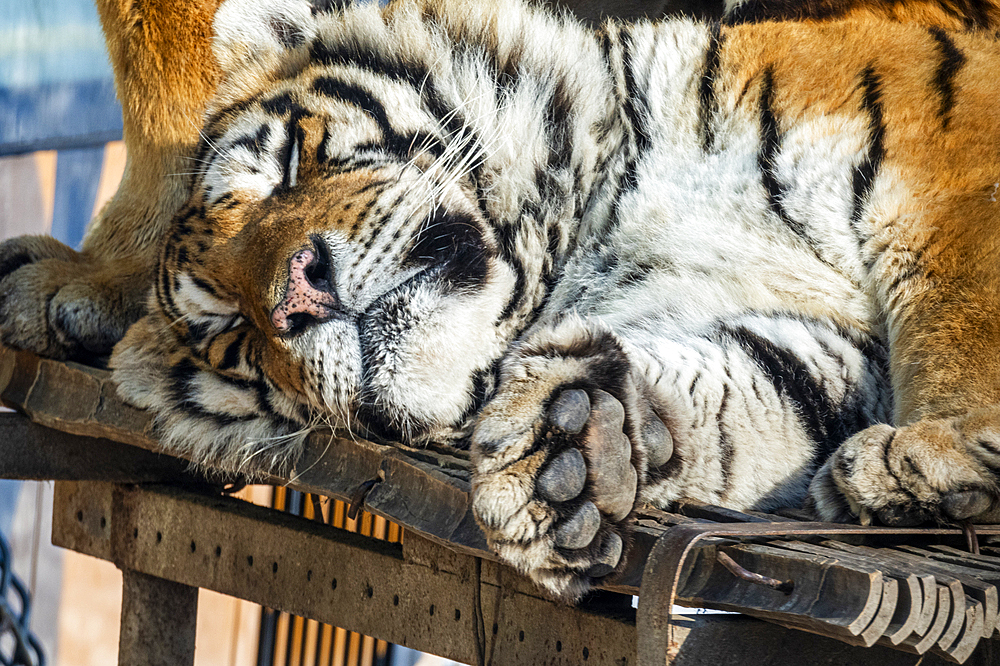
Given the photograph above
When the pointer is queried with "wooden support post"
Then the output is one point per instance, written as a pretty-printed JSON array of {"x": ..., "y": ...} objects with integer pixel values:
[{"x": 158, "y": 621}]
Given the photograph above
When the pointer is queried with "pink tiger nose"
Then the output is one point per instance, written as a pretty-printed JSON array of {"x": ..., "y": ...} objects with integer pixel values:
[{"x": 309, "y": 297}]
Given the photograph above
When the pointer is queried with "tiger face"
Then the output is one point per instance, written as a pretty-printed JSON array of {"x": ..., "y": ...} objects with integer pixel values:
[{"x": 336, "y": 262}]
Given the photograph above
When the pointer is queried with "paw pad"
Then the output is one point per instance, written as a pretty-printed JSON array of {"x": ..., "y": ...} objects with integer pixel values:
[
  {"x": 580, "y": 529},
  {"x": 564, "y": 478}
]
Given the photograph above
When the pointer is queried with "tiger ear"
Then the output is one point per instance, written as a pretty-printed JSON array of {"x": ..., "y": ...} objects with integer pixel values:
[{"x": 262, "y": 37}]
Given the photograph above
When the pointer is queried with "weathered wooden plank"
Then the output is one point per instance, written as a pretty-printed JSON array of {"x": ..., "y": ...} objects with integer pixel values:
[
  {"x": 967, "y": 640},
  {"x": 428, "y": 492},
  {"x": 909, "y": 609},
  {"x": 980, "y": 584},
  {"x": 158, "y": 621},
  {"x": 32, "y": 451},
  {"x": 428, "y": 603},
  {"x": 949, "y": 641},
  {"x": 718, "y": 514},
  {"x": 829, "y": 597},
  {"x": 949, "y": 554}
]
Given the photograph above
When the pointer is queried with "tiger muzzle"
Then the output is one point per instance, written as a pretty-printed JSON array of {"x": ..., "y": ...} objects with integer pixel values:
[{"x": 310, "y": 296}]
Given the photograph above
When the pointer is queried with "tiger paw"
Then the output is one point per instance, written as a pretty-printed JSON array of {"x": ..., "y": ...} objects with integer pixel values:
[
  {"x": 59, "y": 303},
  {"x": 554, "y": 487},
  {"x": 932, "y": 470}
]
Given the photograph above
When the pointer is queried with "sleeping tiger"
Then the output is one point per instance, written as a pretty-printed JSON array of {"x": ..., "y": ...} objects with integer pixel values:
[{"x": 753, "y": 264}]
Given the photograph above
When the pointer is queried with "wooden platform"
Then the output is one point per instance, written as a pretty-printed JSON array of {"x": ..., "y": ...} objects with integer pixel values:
[{"x": 916, "y": 591}]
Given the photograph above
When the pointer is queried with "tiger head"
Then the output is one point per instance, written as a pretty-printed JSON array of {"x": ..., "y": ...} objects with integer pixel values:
[{"x": 349, "y": 255}]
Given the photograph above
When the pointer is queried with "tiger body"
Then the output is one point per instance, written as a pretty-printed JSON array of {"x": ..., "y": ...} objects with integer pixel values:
[{"x": 761, "y": 260}]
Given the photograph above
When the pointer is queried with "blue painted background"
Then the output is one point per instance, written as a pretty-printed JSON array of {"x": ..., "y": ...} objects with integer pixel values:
[{"x": 56, "y": 93}]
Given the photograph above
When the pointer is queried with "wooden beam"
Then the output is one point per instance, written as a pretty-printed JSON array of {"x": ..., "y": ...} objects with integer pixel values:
[{"x": 158, "y": 621}]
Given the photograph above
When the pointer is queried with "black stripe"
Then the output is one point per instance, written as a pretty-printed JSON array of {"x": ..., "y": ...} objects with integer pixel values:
[
  {"x": 196, "y": 331},
  {"x": 952, "y": 60},
  {"x": 378, "y": 62},
  {"x": 281, "y": 104},
  {"x": 863, "y": 180},
  {"x": 255, "y": 143},
  {"x": 322, "y": 157},
  {"x": 231, "y": 357},
  {"x": 770, "y": 145},
  {"x": 361, "y": 98},
  {"x": 992, "y": 447},
  {"x": 632, "y": 96},
  {"x": 205, "y": 286},
  {"x": 826, "y": 422},
  {"x": 605, "y": 39},
  {"x": 507, "y": 243},
  {"x": 726, "y": 449},
  {"x": 974, "y": 14},
  {"x": 636, "y": 125},
  {"x": 295, "y": 136},
  {"x": 181, "y": 376},
  {"x": 706, "y": 90}
]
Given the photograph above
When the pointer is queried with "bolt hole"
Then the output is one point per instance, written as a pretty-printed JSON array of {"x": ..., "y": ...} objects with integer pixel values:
[
  {"x": 218, "y": 551},
  {"x": 159, "y": 537},
  {"x": 79, "y": 516},
  {"x": 104, "y": 522},
  {"x": 395, "y": 600},
  {"x": 520, "y": 636},
  {"x": 274, "y": 567},
  {"x": 309, "y": 575},
  {"x": 194, "y": 546},
  {"x": 333, "y": 584},
  {"x": 369, "y": 591},
  {"x": 496, "y": 628},
  {"x": 432, "y": 609},
  {"x": 586, "y": 654},
  {"x": 250, "y": 560},
  {"x": 458, "y": 615},
  {"x": 135, "y": 533},
  {"x": 558, "y": 646}
]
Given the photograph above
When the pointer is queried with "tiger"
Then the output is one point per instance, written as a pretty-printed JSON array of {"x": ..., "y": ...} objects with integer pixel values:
[{"x": 752, "y": 263}]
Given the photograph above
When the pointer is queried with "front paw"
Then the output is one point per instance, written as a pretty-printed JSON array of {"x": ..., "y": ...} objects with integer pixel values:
[
  {"x": 556, "y": 480},
  {"x": 60, "y": 303},
  {"x": 933, "y": 470}
]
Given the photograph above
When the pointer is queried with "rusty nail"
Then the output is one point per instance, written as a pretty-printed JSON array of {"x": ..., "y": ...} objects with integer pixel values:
[
  {"x": 317, "y": 508},
  {"x": 358, "y": 498},
  {"x": 749, "y": 576}
]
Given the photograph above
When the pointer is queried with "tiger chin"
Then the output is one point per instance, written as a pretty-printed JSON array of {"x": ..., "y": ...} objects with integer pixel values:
[{"x": 754, "y": 264}]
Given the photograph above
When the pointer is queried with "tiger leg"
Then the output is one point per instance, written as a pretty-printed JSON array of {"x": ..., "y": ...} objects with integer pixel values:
[
  {"x": 588, "y": 420},
  {"x": 941, "y": 461},
  {"x": 62, "y": 303},
  {"x": 560, "y": 454}
]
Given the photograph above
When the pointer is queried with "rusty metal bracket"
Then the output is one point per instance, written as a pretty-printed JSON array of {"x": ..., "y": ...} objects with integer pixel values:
[{"x": 661, "y": 576}]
